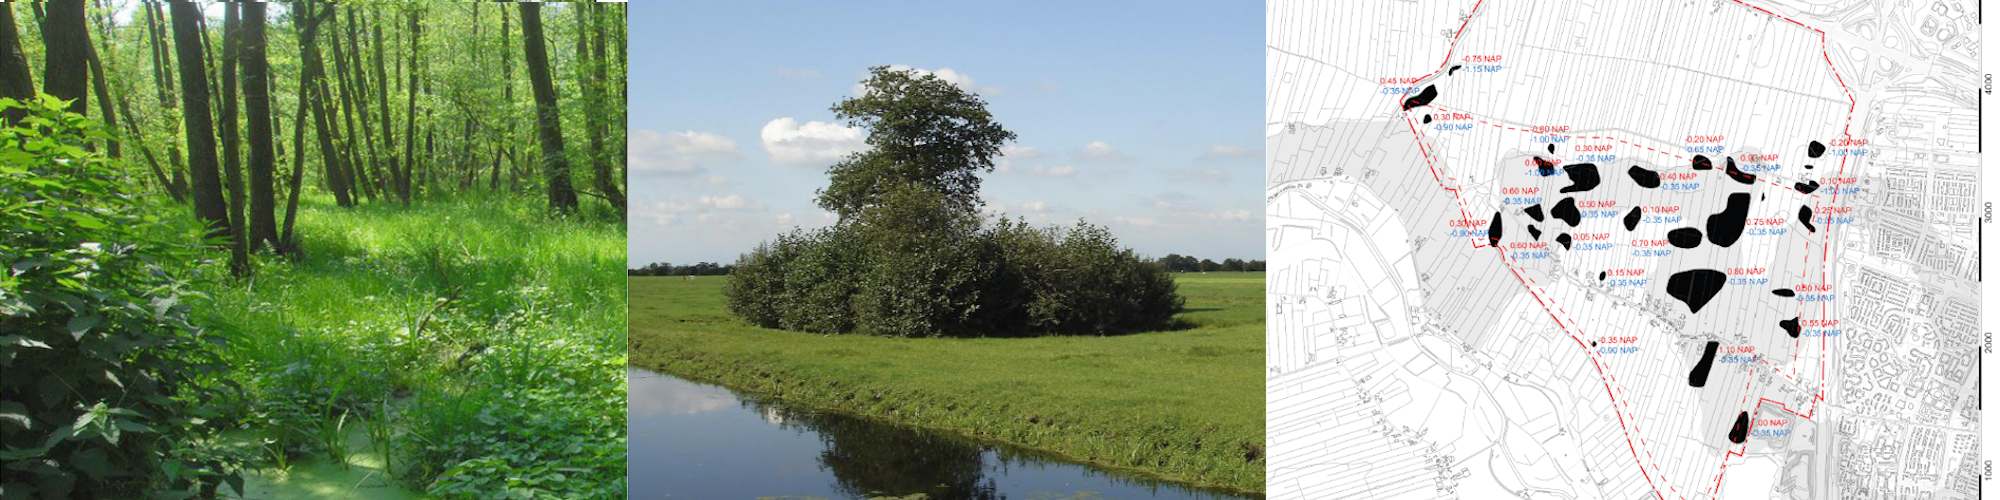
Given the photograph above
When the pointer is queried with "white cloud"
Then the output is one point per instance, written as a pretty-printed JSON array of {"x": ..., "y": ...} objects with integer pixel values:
[
  {"x": 731, "y": 202},
  {"x": 1036, "y": 206},
  {"x": 961, "y": 80},
  {"x": 1053, "y": 170},
  {"x": 1098, "y": 150},
  {"x": 697, "y": 210},
  {"x": 813, "y": 143},
  {"x": 677, "y": 152}
]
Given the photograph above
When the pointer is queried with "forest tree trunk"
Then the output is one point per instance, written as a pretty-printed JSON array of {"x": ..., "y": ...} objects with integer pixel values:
[
  {"x": 207, "y": 185},
  {"x": 548, "y": 117},
  {"x": 257, "y": 106}
]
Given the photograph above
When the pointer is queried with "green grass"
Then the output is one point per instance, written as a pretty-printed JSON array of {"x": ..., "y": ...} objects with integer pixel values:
[
  {"x": 494, "y": 331},
  {"x": 1184, "y": 405}
]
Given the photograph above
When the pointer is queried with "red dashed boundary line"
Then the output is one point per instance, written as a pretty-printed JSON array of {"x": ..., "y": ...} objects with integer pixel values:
[{"x": 1597, "y": 362}]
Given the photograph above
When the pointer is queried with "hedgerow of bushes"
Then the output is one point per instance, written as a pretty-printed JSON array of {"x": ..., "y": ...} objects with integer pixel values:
[{"x": 913, "y": 266}]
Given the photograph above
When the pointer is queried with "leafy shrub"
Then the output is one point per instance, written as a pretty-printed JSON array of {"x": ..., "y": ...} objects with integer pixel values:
[
  {"x": 912, "y": 266},
  {"x": 107, "y": 381}
]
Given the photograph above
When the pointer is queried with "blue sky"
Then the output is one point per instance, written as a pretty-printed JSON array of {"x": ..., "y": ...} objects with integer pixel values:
[{"x": 1142, "y": 117}]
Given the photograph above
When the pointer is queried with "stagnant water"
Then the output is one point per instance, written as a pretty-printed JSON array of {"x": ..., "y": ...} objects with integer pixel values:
[{"x": 692, "y": 440}]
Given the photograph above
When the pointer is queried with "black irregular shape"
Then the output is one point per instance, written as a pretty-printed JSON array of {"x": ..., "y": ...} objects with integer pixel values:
[
  {"x": 1741, "y": 431},
  {"x": 1566, "y": 211},
  {"x": 1784, "y": 292},
  {"x": 1685, "y": 237},
  {"x": 1814, "y": 149},
  {"x": 1552, "y": 148},
  {"x": 1422, "y": 99},
  {"x": 1725, "y": 227},
  {"x": 1427, "y": 119},
  {"x": 1493, "y": 231},
  {"x": 1600, "y": 276},
  {"x": 1739, "y": 175},
  {"x": 1808, "y": 167},
  {"x": 1806, "y": 187},
  {"x": 1536, "y": 233},
  {"x": 1544, "y": 167},
  {"x": 1791, "y": 326},
  {"x": 1701, "y": 163},
  {"x": 1632, "y": 219},
  {"x": 1454, "y": 69},
  {"x": 1582, "y": 177},
  {"x": 1563, "y": 239},
  {"x": 1646, "y": 178},
  {"x": 1805, "y": 217},
  {"x": 1698, "y": 377},
  {"x": 1696, "y": 286},
  {"x": 1534, "y": 212}
]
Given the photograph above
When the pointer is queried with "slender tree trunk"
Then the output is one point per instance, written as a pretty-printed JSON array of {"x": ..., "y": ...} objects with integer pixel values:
[
  {"x": 17, "y": 82},
  {"x": 208, "y": 202},
  {"x": 164, "y": 82},
  {"x": 410, "y": 115},
  {"x": 360, "y": 74},
  {"x": 610, "y": 181},
  {"x": 555, "y": 167},
  {"x": 344, "y": 82},
  {"x": 388, "y": 122},
  {"x": 232, "y": 160},
  {"x": 507, "y": 74},
  {"x": 286, "y": 242},
  {"x": 257, "y": 107},
  {"x": 315, "y": 87},
  {"x": 104, "y": 104},
  {"x": 67, "y": 58}
]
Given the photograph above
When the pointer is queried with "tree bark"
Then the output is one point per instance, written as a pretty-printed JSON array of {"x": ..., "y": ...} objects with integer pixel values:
[
  {"x": 257, "y": 107},
  {"x": 163, "y": 80},
  {"x": 315, "y": 87},
  {"x": 507, "y": 75},
  {"x": 232, "y": 160},
  {"x": 67, "y": 58},
  {"x": 360, "y": 74},
  {"x": 555, "y": 167},
  {"x": 594, "y": 80},
  {"x": 410, "y": 115},
  {"x": 382, "y": 100},
  {"x": 17, "y": 82},
  {"x": 104, "y": 105},
  {"x": 208, "y": 202},
  {"x": 344, "y": 82}
]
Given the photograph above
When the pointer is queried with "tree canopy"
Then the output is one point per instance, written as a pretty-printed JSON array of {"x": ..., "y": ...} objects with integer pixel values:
[{"x": 922, "y": 130}]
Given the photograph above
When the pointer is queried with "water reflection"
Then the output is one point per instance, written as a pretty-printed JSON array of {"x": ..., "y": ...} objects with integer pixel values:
[{"x": 686, "y": 445}]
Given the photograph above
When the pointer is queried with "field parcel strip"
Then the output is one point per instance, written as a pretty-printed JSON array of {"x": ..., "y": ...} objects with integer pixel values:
[{"x": 1182, "y": 405}]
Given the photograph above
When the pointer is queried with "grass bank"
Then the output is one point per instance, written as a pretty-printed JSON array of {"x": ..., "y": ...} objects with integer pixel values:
[
  {"x": 1185, "y": 405},
  {"x": 485, "y": 337}
]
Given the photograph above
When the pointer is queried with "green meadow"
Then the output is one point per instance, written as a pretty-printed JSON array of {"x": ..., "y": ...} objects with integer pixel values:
[{"x": 1185, "y": 405}]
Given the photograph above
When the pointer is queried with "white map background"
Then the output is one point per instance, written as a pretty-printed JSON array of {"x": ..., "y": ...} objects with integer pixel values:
[{"x": 1409, "y": 359}]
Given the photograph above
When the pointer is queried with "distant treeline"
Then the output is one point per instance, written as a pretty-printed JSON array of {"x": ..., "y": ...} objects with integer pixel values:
[
  {"x": 665, "y": 269},
  {"x": 1172, "y": 262},
  {"x": 1187, "y": 263}
]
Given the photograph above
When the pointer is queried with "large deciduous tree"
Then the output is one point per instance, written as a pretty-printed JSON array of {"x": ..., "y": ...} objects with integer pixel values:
[
  {"x": 923, "y": 131},
  {"x": 548, "y": 116}
]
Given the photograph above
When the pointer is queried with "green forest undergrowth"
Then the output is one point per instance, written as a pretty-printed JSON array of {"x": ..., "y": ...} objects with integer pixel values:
[{"x": 487, "y": 334}]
